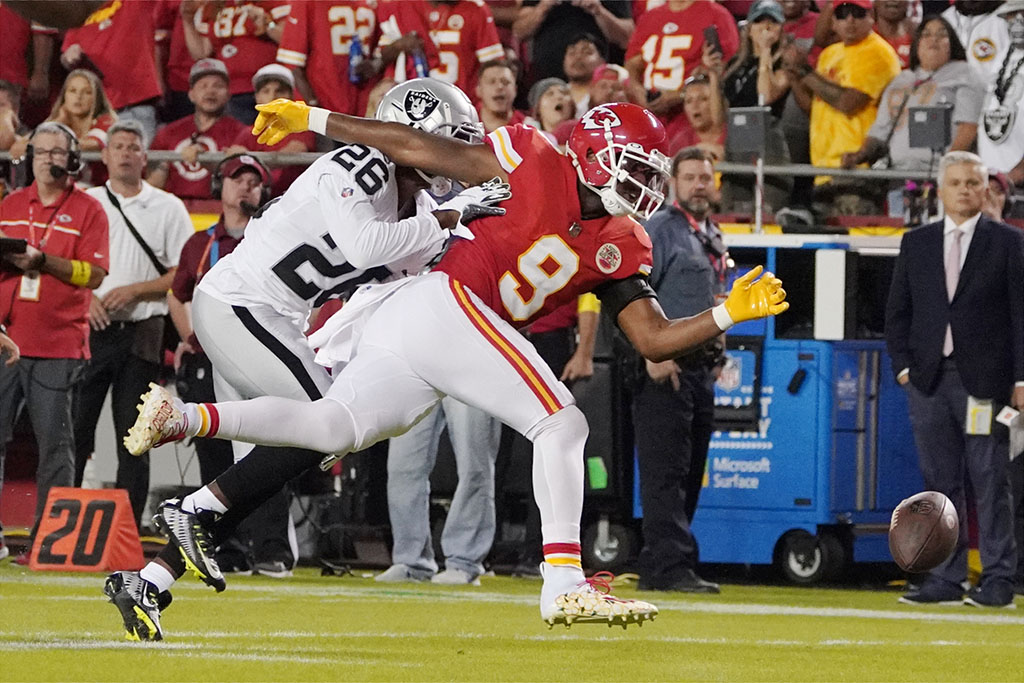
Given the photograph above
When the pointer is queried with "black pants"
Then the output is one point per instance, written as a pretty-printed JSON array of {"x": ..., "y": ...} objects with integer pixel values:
[
  {"x": 114, "y": 367},
  {"x": 673, "y": 430}
]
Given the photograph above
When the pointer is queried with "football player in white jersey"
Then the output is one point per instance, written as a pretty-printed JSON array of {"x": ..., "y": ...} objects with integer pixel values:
[{"x": 352, "y": 217}]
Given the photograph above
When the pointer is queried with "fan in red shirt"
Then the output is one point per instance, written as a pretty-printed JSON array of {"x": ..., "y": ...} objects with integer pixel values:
[
  {"x": 496, "y": 94},
  {"x": 668, "y": 45},
  {"x": 271, "y": 82},
  {"x": 117, "y": 41},
  {"x": 173, "y": 57},
  {"x": 241, "y": 33},
  {"x": 317, "y": 43},
  {"x": 405, "y": 22},
  {"x": 208, "y": 130},
  {"x": 893, "y": 23},
  {"x": 15, "y": 35},
  {"x": 464, "y": 33}
]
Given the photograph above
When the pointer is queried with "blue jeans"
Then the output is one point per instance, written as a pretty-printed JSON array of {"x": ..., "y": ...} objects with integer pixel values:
[{"x": 469, "y": 528}]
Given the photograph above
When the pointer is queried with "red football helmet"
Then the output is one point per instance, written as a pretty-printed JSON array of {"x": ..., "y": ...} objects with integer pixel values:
[{"x": 616, "y": 149}]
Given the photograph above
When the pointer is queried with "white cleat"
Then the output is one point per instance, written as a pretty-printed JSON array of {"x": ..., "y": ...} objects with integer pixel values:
[
  {"x": 590, "y": 602},
  {"x": 160, "y": 421}
]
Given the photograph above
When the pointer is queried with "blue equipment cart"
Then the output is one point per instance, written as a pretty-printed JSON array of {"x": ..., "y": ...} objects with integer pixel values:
[{"x": 814, "y": 448}]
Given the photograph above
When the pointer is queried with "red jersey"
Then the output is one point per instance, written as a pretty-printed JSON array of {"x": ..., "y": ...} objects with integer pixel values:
[
  {"x": 465, "y": 37},
  {"x": 200, "y": 253},
  {"x": 232, "y": 32},
  {"x": 119, "y": 39},
  {"x": 169, "y": 31},
  {"x": 192, "y": 181},
  {"x": 281, "y": 176},
  {"x": 901, "y": 44},
  {"x": 397, "y": 18},
  {"x": 542, "y": 254},
  {"x": 55, "y": 325},
  {"x": 318, "y": 37},
  {"x": 802, "y": 31},
  {"x": 15, "y": 33},
  {"x": 97, "y": 169},
  {"x": 672, "y": 43}
]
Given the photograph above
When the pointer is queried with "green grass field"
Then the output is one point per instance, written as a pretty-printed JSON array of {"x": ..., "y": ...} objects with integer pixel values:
[{"x": 58, "y": 627}]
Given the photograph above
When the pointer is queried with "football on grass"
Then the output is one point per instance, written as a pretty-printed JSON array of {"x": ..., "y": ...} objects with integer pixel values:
[{"x": 923, "y": 531}]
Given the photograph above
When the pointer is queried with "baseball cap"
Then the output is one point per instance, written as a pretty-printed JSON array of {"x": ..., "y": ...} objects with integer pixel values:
[
  {"x": 205, "y": 67},
  {"x": 273, "y": 72},
  {"x": 1009, "y": 7},
  {"x": 863, "y": 4},
  {"x": 612, "y": 72},
  {"x": 541, "y": 87},
  {"x": 766, "y": 8},
  {"x": 1002, "y": 180},
  {"x": 232, "y": 165}
]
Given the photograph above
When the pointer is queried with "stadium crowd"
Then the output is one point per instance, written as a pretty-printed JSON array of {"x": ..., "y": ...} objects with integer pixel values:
[{"x": 838, "y": 78}]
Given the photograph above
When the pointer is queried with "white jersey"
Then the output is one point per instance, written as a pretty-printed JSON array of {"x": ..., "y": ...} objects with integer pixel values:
[{"x": 334, "y": 229}]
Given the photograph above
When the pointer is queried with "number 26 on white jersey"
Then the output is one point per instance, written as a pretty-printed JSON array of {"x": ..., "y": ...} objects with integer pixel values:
[{"x": 547, "y": 266}]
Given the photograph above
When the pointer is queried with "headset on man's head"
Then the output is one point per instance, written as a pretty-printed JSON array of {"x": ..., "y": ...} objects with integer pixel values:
[
  {"x": 74, "y": 166},
  {"x": 217, "y": 179}
]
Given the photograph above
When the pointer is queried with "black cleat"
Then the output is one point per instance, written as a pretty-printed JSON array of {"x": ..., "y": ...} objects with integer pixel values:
[
  {"x": 139, "y": 604},
  {"x": 192, "y": 534}
]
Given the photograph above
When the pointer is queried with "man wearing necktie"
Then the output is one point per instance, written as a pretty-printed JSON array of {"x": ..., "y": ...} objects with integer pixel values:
[{"x": 955, "y": 331}]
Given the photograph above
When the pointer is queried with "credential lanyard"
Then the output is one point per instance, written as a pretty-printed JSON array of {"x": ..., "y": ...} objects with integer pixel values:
[{"x": 49, "y": 224}]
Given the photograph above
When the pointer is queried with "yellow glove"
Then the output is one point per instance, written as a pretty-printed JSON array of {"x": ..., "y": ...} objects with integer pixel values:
[
  {"x": 280, "y": 118},
  {"x": 750, "y": 300}
]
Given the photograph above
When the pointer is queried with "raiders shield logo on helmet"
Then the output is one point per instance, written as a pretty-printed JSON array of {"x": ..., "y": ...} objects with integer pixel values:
[
  {"x": 598, "y": 117},
  {"x": 419, "y": 104}
]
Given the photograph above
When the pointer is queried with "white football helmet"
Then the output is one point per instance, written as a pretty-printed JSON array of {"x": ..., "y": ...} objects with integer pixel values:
[{"x": 434, "y": 107}]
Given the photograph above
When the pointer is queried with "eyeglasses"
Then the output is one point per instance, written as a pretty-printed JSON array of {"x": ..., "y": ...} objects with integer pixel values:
[
  {"x": 846, "y": 10},
  {"x": 57, "y": 154}
]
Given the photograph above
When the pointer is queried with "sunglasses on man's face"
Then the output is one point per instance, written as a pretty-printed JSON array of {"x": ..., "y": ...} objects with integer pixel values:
[{"x": 845, "y": 11}]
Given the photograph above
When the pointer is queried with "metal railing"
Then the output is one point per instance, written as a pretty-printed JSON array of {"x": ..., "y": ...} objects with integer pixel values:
[{"x": 306, "y": 158}]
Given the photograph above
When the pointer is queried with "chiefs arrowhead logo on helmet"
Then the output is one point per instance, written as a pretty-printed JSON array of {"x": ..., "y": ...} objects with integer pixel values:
[
  {"x": 598, "y": 117},
  {"x": 419, "y": 104}
]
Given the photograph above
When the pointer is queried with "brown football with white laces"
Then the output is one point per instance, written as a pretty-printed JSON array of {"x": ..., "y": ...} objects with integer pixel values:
[{"x": 923, "y": 531}]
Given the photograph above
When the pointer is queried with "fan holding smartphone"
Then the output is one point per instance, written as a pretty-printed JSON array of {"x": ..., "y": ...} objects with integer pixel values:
[{"x": 670, "y": 44}]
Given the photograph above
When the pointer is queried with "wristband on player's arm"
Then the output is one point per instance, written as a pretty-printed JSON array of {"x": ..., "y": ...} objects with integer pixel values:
[
  {"x": 81, "y": 271},
  {"x": 318, "y": 120}
]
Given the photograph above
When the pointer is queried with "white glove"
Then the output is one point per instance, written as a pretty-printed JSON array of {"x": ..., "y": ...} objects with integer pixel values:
[{"x": 479, "y": 201}]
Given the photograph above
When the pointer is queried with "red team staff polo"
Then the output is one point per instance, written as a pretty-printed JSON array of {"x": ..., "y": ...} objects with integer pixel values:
[{"x": 56, "y": 325}]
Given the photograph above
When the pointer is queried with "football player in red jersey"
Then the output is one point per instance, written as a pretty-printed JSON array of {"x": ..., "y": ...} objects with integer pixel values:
[{"x": 568, "y": 230}]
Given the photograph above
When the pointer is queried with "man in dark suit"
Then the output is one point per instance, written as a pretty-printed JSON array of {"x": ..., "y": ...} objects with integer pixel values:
[{"x": 955, "y": 331}]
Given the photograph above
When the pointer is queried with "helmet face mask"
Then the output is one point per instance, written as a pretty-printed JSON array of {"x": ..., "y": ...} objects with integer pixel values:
[
  {"x": 616, "y": 151},
  {"x": 434, "y": 107}
]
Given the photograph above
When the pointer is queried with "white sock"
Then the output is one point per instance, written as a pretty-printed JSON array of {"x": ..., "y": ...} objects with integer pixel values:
[
  {"x": 157, "y": 575},
  {"x": 203, "y": 499},
  {"x": 193, "y": 421}
]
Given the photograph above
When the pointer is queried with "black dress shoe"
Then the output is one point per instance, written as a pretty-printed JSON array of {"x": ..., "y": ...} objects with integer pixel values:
[
  {"x": 934, "y": 592},
  {"x": 995, "y": 593},
  {"x": 688, "y": 582}
]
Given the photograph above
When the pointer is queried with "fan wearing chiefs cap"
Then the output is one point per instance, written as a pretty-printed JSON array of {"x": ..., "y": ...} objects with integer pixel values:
[{"x": 569, "y": 228}]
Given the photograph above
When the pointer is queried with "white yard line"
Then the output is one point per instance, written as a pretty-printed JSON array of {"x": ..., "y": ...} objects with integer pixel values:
[
  {"x": 377, "y": 593},
  {"x": 44, "y": 640}
]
